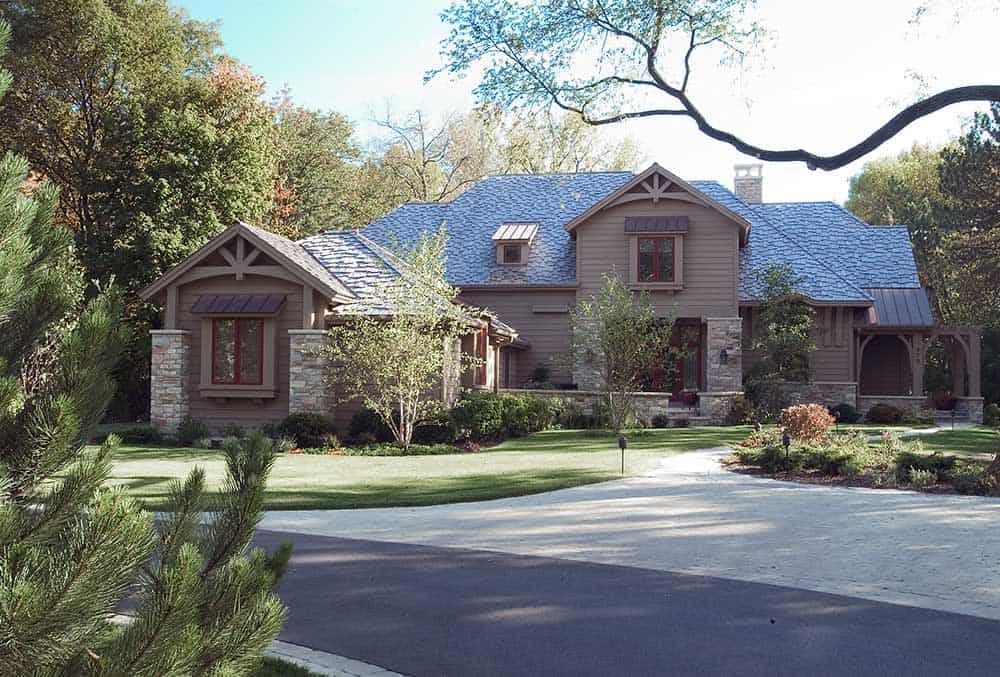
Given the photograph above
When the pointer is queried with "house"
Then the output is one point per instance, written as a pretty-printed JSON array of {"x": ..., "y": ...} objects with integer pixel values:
[{"x": 242, "y": 313}]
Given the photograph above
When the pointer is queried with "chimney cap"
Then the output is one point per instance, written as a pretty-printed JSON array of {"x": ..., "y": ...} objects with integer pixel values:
[{"x": 749, "y": 169}]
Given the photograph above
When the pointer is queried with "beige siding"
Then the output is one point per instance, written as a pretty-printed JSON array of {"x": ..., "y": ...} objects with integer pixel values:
[
  {"x": 833, "y": 331},
  {"x": 244, "y": 412},
  {"x": 710, "y": 257},
  {"x": 541, "y": 317}
]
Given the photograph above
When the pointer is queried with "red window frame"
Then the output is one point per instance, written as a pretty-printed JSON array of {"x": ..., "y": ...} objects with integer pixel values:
[
  {"x": 481, "y": 343},
  {"x": 237, "y": 350},
  {"x": 656, "y": 259}
]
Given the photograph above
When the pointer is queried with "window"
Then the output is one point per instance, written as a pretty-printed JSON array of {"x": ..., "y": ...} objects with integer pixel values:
[
  {"x": 656, "y": 259},
  {"x": 481, "y": 344},
  {"x": 512, "y": 253},
  {"x": 237, "y": 351}
]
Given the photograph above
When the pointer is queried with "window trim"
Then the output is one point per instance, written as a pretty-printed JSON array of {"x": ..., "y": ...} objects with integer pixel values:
[
  {"x": 506, "y": 248},
  {"x": 656, "y": 279},
  {"x": 237, "y": 346}
]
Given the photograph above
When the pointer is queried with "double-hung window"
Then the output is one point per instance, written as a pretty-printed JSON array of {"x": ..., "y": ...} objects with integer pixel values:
[
  {"x": 656, "y": 259},
  {"x": 237, "y": 351}
]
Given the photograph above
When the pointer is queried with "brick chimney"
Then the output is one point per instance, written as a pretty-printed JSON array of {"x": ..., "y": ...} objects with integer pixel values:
[{"x": 749, "y": 183}]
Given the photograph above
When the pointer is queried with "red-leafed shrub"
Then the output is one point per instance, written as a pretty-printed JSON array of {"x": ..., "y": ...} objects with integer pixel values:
[{"x": 807, "y": 422}]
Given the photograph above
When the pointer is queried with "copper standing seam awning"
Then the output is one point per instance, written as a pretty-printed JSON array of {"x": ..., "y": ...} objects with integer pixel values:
[{"x": 238, "y": 304}]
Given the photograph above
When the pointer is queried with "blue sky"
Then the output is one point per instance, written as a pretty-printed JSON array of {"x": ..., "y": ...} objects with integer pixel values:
[{"x": 834, "y": 72}]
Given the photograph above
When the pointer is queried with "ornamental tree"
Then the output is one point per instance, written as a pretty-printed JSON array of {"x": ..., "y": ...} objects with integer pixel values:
[
  {"x": 395, "y": 345},
  {"x": 72, "y": 549},
  {"x": 619, "y": 337},
  {"x": 613, "y": 60},
  {"x": 783, "y": 337}
]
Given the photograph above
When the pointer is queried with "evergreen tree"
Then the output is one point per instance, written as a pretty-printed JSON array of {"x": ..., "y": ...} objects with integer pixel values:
[{"x": 70, "y": 549}]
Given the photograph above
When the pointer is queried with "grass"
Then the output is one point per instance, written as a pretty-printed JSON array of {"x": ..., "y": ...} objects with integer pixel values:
[
  {"x": 979, "y": 444},
  {"x": 546, "y": 461},
  {"x": 275, "y": 667}
]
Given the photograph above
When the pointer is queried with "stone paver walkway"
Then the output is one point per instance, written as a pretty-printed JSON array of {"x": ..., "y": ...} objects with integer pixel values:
[{"x": 690, "y": 516}]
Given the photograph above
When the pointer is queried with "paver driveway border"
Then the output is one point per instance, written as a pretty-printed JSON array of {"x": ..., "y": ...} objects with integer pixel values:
[{"x": 692, "y": 516}]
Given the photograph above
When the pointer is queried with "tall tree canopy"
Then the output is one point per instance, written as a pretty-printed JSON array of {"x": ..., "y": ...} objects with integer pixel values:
[{"x": 611, "y": 60}]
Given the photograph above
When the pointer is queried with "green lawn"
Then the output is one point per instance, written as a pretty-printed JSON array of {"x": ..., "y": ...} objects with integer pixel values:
[
  {"x": 979, "y": 443},
  {"x": 545, "y": 461}
]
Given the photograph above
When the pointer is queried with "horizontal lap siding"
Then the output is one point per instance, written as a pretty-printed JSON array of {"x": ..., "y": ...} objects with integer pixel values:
[
  {"x": 833, "y": 332},
  {"x": 548, "y": 333},
  {"x": 242, "y": 412},
  {"x": 710, "y": 257}
]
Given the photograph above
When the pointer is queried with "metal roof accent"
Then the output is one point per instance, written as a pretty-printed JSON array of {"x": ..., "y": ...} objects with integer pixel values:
[
  {"x": 516, "y": 232},
  {"x": 239, "y": 304},
  {"x": 900, "y": 308},
  {"x": 656, "y": 224}
]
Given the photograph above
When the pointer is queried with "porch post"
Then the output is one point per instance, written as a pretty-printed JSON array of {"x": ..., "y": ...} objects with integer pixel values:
[
  {"x": 918, "y": 360},
  {"x": 957, "y": 361},
  {"x": 169, "y": 401},
  {"x": 723, "y": 366},
  {"x": 975, "y": 364}
]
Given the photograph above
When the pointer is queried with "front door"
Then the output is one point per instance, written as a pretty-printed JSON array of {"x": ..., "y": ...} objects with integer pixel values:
[{"x": 687, "y": 343}]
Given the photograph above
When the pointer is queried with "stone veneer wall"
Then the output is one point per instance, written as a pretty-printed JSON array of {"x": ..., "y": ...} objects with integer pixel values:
[
  {"x": 307, "y": 391},
  {"x": 973, "y": 405},
  {"x": 830, "y": 393},
  {"x": 169, "y": 401},
  {"x": 647, "y": 405},
  {"x": 724, "y": 333}
]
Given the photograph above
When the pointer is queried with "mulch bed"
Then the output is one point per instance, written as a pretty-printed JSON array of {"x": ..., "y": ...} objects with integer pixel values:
[{"x": 817, "y": 477}]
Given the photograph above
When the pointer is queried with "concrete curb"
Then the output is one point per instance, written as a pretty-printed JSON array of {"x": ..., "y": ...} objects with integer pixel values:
[{"x": 324, "y": 663}]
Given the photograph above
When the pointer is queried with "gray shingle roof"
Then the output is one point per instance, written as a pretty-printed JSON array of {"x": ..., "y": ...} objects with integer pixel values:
[
  {"x": 836, "y": 255},
  {"x": 361, "y": 267}
]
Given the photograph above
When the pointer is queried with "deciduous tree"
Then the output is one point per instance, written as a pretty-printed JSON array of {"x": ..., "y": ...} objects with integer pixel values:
[
  {"x": 618, "y": 337},
  {"x": 614, "y": 60}
]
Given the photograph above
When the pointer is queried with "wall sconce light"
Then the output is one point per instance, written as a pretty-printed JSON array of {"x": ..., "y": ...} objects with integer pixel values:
[{"x": 723, "y": 356}]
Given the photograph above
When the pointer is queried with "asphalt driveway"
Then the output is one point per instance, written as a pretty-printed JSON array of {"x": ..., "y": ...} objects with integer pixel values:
[
  {"x": 425, "y": 610},
  {"x": 690, "y": 517}
]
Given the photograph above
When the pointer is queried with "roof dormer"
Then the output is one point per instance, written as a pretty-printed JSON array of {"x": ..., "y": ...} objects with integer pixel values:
[{"x": 513, "y": 242}]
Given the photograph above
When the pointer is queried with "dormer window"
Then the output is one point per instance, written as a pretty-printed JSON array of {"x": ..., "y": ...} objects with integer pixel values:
[{"x": 513, "y": 242}]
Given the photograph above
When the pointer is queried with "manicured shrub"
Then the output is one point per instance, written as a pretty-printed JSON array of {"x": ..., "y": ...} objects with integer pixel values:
[
  {"x": 740, "y": 412},
  {"x": 439, "y": 430},
  {"x": 140, "y": 434},
  {"x": 774, "y": 459},
  {"x": 308, "y": 429},
  {"x": 807, "y": 422},
  {"x": 884, "y": 413},
  {"x": 233, "y": 430},
  {"x": 921, "y": 479},
  {"x": 844, "y": 413},
  {"x": 828, "y": 459},
  {"x": 393, "y": 449},
  {"x": 660, "y": 421},
  {"x": 937, "y": 463},
  {"x": 479, "y": 416},
  {"x": 991, "y": 415},
  {"x": 366, "y": 426},
  {"x": 190, "y": 430}
]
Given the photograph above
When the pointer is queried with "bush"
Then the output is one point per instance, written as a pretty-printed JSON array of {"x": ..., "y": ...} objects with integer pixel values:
[
  {"x": 283, "y": 445},
  {"x": 495, "y": 416},
  {"x": 884, "y": 413},
  {"x": 660, "y": 421},
  {"x": 740, "y": 412},
  {"x": 573, "y": 417},
  {"x": 991, "y": 415},
  {"x": 767, "y": 398},
  {"x": 773, "y": 459},
  {"x": 233, "y": 430},
  {"x": 392, "y": 449},
  {"x": 366, "y": 425},
  {"x": 190, "y": 430},
  {"x": 308, "y": 430},
  {"x": 439, "y": 430},
  {"x": 966, "y": 477},
  {"x": 844, "y": 413},
  {"x": 828, "y": 459},
  {"x": 762, "y": 438},
  {"x": 936, "y": 463},
  {"x": 921, "y": 479},
  {"x": 140, "y": 434},
  {"x": 807, "y": 422},
  {"x": 202, "y": 443}
]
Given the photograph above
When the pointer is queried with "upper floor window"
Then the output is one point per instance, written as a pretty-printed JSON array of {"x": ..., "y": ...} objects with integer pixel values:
[
  {"x": 237, "y": 351},
  {"x": 656, "y": 259},
  {"x": 512, "y": 253}
]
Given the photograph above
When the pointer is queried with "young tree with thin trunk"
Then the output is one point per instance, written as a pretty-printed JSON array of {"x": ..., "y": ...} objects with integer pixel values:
[
  {"x": 394, "y": 347},
  {"x": 618, "y": 336}
]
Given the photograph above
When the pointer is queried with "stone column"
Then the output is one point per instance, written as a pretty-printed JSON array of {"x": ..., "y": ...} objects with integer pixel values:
[
  {"x": 307, "y": 388},
  {"x": 169, "y": 400},
  {"x": 724, "y": 333}
]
